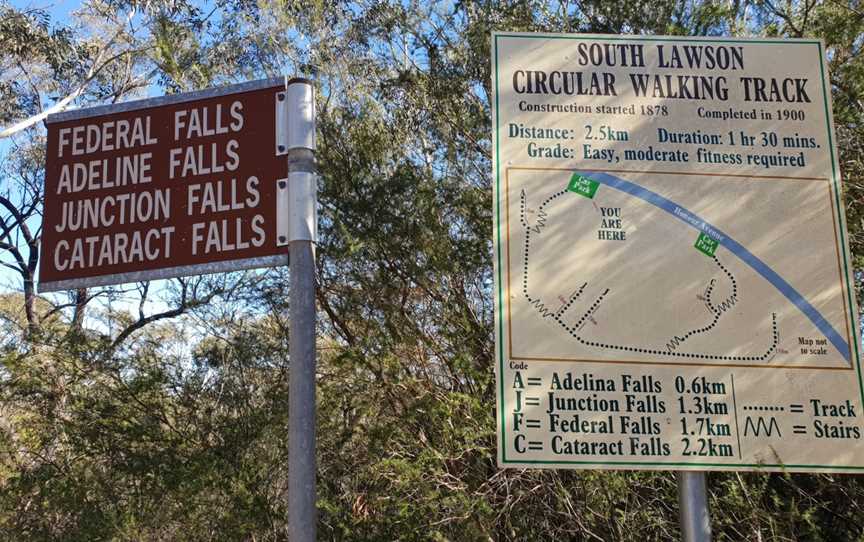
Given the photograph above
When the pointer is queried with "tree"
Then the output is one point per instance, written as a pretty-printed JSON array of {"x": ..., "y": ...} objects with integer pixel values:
[{"x": 120, "y": 425}]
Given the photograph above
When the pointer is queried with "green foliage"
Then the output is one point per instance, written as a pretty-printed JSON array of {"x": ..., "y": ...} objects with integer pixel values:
[
  {"x": 178, "y": 55},
  {"x": 27, "y": 37}
]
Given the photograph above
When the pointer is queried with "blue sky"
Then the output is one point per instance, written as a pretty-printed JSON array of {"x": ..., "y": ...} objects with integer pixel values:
[
  {"x": 60, "y": 12},
  {"x": 59, "y": 9}
]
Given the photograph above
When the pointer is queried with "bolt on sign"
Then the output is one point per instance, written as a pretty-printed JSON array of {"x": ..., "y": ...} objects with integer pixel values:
[
  {"x": 673, "y": 285},
  {"x": 166, "y": 187}
]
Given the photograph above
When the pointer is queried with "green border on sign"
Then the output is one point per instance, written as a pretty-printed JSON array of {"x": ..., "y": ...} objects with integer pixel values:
[{"x": 499, "y": 308}]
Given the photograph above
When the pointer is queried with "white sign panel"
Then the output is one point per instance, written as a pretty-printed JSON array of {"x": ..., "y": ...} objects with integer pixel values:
[{"x": 673, "y": 282}]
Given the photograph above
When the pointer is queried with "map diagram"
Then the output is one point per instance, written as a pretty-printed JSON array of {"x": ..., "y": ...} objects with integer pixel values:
[{"x": 674, "y": 268}]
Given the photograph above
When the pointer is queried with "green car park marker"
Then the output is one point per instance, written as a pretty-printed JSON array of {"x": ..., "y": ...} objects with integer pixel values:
[
  {"x": 706, "y": 245},
  {"x": 582, "y": 186}
]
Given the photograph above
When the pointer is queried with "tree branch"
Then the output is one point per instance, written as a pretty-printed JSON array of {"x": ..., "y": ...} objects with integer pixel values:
[
  {"x": 92, "y": 73},
  {"x": 185, "y": 305}
]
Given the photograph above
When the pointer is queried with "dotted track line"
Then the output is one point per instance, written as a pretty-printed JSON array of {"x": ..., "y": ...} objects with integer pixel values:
[
  {"x": 590, "y": 311},
  {"x": 541, "y": 211},
  {"x": 548, "y": 313},
  {"x": 676, "y": 341},
  {"x": 522, "y": 196},
  {"x": 718, "y": 311},
  {"x": 728, "y": 302},
  {"x": 553, "y": 196},
  {"x": 766, "y": 408},
  {"x": 573, "y": 298},
  {"x": 541, "y": 223},
  {"x": 688, "y": 355}
]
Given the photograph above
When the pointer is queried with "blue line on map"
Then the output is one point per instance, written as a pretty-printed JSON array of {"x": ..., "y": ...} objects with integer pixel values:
[{"x": 695, "y": 221}]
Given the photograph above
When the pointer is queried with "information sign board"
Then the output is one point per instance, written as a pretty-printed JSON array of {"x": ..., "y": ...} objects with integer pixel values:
[
  {"x": 673, "y": 286},
  {"x": 172, "y": 186}
]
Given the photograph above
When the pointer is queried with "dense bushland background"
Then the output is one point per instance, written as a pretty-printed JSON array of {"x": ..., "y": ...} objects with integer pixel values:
[{"x": 158, "y": 411}]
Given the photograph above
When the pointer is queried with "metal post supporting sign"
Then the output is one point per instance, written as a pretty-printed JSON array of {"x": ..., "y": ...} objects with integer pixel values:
[
  {"x": 693, "y": 505},
  {"x": 302, "y": 232},
  {"x": 207, "y": 170}
]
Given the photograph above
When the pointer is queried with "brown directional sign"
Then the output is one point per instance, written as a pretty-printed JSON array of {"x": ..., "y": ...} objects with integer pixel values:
[{"x": 166, "y": 187}]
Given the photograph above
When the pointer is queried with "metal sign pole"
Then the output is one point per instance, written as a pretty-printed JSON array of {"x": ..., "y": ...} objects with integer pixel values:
[
  {"x": 693, "y": 503},
  {"x": 302, "y": 514}
]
